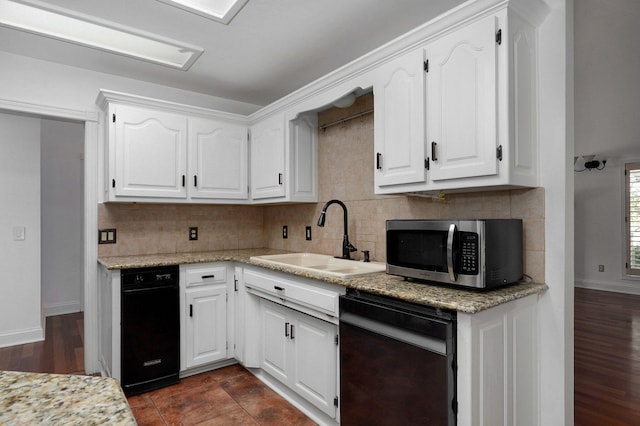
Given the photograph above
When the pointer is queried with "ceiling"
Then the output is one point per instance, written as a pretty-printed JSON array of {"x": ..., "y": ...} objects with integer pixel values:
[{"x": 271, "y": 47}]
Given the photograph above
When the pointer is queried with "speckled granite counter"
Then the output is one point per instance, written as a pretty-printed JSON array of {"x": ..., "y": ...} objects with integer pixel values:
[
  {"x": 462, "y": 300},
  {"x": 60, "y": 399},
  {"x": 143, "y": 261}
]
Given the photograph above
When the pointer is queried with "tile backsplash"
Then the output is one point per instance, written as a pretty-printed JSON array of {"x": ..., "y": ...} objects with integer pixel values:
[
  {"x": 164, "y": 228},
  {"x": 345, "y": 172}
]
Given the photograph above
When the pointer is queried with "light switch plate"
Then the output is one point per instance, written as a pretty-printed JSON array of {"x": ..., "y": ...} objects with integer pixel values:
[
  {"x": 19, "y": 233},
  {"x": 107, "y": 236}
]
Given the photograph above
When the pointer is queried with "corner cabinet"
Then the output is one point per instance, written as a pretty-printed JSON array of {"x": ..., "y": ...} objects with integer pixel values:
[
  {"x": 300, "y": 351},
  {"x": 157, "y": 151},
  {"x": 460, "y": 112},
  {"x": 268, "y": 158},
  {"x": 291, "y": 336},
  {"x": 284, "y": 159}
]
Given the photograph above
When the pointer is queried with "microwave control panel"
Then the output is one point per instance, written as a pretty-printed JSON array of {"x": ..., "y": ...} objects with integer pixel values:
[{"x": 469, "y": 253}]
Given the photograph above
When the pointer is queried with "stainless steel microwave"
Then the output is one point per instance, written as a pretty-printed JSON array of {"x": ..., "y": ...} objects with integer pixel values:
[{"x": 483, "y": 253}]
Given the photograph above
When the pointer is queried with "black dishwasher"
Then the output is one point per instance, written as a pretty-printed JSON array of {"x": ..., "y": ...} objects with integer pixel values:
[
  {"x": 397, "y": 362},
  {"x": 150, "y": 327}
]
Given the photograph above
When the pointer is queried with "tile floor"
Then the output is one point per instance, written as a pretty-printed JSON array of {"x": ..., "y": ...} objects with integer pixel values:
[{"x": 227, "y": 396}]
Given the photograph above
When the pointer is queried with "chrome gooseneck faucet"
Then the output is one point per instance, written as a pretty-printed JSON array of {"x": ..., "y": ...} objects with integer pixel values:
[{"x": 347, "y": 247}]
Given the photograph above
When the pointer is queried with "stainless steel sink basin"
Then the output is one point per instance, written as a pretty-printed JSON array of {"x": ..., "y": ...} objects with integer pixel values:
[{"x": 323, "y": 264}]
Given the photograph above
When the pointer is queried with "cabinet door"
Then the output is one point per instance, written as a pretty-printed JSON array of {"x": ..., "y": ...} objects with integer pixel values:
[
  {"x": 461, "y": 102},
  {"x": 206, "y": 309},
  {"x": 150, "y": 153},
  {"x": 315, "y": 366},
  {"x": 218, "y": 162},
  {"x": 267, "y": 158},
  {"x": 399, "y": 121},
  {"x": 304, "y": 163},
  {"x": 275, "y": 352}
]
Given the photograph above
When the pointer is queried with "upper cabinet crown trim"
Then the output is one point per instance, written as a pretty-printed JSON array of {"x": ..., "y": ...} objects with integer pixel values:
[
  {"x": 318, "y": 92},
  {"x": 108, "y": 96}
]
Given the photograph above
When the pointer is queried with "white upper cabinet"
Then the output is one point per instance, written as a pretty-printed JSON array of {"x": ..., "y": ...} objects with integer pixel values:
[
  {"x": 460, "y": 112},
  {"x": 267, "y": 158},
  {"x": 399, "y": 121},
  {"x": 218, "y": 159},
  {"x": 150, "y": 150},
  {"x": 461, "y": 101},
  {"x": 162, "y": 152},
  {"x": 303, "y": 163},
  {"x": 284, "y": 159}
]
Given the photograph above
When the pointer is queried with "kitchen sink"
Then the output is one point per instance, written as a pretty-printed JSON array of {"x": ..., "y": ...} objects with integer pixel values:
[{"x": 323, "y": 264}]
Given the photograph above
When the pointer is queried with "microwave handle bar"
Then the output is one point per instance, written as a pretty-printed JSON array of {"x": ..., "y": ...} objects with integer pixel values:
[{"x": 452, "y": 273}]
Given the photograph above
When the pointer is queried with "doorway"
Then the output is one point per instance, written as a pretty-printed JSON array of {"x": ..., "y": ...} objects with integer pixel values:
[
  {"x": 62, "y": 205},
  {"x": 44, "y": 216}
]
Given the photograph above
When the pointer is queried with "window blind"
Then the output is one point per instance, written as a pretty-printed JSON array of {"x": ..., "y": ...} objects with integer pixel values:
[{"x": 633, "y": 217}]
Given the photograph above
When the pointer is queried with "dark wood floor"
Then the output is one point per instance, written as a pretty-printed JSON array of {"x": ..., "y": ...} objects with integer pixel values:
[
  {"x": 62, "y": 351},
  {"x": 607, "y": 358}
]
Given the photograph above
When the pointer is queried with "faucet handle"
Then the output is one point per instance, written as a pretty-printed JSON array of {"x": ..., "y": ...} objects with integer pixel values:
[{"x": 366, "y": 256}]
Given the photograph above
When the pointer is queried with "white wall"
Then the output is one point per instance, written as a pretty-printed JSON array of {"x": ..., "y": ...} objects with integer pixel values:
[
  {"x": 45, "y": 83},
  {"x": 555, "y": 38},
  {"x": 62, "y": 197},
  {"x": 20, "y": 313},
  {"x": 607, "y": 122}
]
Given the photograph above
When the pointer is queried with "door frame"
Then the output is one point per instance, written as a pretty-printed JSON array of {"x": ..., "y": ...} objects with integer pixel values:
[{"x": 91, "y": 120}]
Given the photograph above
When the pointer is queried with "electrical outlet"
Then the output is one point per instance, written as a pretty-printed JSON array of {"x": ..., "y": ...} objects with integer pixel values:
[
  {"x": 307, "y": 233},
  {"x": 193, "y": 233},
  {"x": 285, "y": 232},
  {"x": 600, "y": 268}
]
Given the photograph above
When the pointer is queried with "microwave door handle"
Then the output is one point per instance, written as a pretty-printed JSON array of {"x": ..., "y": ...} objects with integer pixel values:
[{"x": 452, "y": 273}]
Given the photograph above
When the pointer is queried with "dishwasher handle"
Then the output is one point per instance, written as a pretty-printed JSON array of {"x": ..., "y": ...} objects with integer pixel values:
[{"x": 426, "y": 342}]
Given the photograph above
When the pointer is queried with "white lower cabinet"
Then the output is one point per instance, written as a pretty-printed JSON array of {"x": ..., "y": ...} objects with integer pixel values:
[
  {"x": 497, "y": 353},
  {"x": 205, "y": 322},
  {"x": 300, "y": 351},
  {"x": 206, "y": 325}
]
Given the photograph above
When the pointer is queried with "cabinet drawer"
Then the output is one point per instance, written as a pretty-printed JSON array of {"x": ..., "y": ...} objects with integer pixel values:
[
  {"x": 304, "y": 294},
  {"x": 206, "y": 276}
]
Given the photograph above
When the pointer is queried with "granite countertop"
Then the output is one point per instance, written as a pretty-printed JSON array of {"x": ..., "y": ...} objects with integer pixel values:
[
  {"x": 459, "y": 299},
  {"x": 61, "y": 399}
]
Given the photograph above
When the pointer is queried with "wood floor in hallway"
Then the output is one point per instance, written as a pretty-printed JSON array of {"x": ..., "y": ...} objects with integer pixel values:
[
  {"x": 62, "y": 351},
  {"x": 607, "y": 358}
]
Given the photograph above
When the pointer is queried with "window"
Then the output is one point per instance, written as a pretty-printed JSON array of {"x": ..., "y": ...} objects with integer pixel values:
[{"x": 632, "y": 217}]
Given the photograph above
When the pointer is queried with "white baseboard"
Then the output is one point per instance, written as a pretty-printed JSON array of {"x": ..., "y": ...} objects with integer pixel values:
[
  {"x": 21, "y": 337},
  {"x": 627, "y": 287},
  {"x": 62, "y": 308}
]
